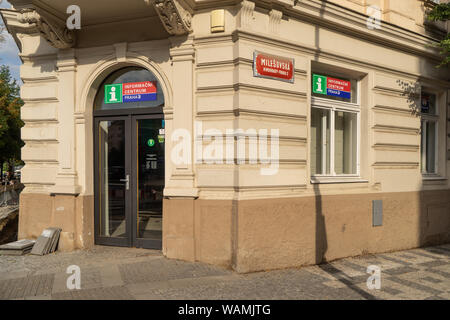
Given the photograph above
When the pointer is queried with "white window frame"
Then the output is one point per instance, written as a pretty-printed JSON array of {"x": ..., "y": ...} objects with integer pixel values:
[
  {"x": 334, "y": 106},
  {"x": 425, "y": 118}
]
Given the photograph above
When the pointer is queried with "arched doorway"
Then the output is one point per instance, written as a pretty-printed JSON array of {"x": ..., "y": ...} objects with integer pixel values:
[{"x": 129, "y": 149}]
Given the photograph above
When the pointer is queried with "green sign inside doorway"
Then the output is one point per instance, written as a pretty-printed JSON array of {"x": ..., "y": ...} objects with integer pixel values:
[{"x": 151, "y": 142}]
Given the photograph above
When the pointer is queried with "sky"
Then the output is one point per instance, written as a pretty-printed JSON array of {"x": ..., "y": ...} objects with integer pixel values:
[{"x": 9, "y": 53}]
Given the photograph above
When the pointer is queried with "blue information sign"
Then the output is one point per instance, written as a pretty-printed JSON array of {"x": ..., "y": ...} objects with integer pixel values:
[
  {"x": 338, "y": 93},
  {"x": 139, "y": 97}
]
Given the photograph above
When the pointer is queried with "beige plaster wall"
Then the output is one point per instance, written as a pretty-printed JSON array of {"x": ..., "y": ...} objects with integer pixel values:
[
  {"x": 255, "y": 235},
  {"x": 407, "y": 14},
  {"x": 325, "y": 228},
  {"x": 228, "y": 96},
  {"x": 224, "y": 94},
  {"x": 199, "y": 230},
  {"x": 74, "y": 215},
  {"x": 221, "y": 214}
]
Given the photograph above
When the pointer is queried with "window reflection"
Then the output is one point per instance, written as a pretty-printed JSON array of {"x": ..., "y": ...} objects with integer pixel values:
[
  {"x": 128, "y": 75},
  {"x": 112, "y": 170},
  {"x": 151, "y": 175}
]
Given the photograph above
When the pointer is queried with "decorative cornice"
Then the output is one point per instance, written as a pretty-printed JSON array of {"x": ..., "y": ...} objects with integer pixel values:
[
  {"x": 175, "y": 18},
  {"x": 274, "y": 20},
  {"x": 246, "y": 13},
  {"x": 51, "y": 29},
  {"x": 35, "y": 20}
]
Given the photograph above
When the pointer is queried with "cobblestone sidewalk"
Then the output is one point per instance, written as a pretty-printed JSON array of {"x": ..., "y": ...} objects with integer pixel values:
[{"x": 124, "y": 273}]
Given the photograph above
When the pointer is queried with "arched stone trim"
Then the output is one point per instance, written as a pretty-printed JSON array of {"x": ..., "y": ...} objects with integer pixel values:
[{"x": 84, "y": 115}]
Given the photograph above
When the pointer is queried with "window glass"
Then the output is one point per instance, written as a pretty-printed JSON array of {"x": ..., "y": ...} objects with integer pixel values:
[
  {"x": 428, "y": 146},
  {"x": 428, "y": 103},
  {"x": 431, "y": 147},
  {"x": 129, "y": 88},
  {"x": 345, "y": 142},
  {"x": 320, "y": 141},
  {"x": 429, "y": 134}
]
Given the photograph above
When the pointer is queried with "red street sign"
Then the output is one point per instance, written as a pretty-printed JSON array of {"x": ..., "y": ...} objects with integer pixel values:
[
  {"x": 273, "y": 67},
  {"x": 146, "y": 87}
]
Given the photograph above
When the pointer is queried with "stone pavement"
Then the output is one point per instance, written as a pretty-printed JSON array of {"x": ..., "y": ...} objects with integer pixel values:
[{"x": 124, "y": 273}]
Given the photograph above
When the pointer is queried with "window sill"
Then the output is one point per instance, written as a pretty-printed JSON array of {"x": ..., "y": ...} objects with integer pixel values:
[
  {"x": 433, "y": 178},
  {"x": 337, "y": 180}
]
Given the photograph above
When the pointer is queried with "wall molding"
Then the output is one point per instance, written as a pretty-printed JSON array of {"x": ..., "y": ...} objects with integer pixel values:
[
  {"x": 396, "y": 129},
  {"x": 396, "y": 147},
  {"x": 395, "y": 110},
  {"x": 396, "y": 165},
  {"x": 250, "y": 87}
]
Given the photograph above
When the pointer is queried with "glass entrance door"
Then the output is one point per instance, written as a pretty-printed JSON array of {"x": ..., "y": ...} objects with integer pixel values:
[
  {"x": 129, "y": 181},
  {"x": 149, "y": 178},
  {"x": 112, "y": 223}
]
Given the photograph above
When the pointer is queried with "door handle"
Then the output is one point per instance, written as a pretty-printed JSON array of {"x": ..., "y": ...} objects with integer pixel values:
[{"x": 127, "y": 182}]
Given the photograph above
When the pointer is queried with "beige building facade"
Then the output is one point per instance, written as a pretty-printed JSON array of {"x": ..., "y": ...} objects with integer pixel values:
[{"x": 365, "y": 172}]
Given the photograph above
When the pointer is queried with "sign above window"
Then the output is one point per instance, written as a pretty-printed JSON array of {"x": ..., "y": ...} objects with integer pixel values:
[
  {"x": 332, "y": 87},
  {"x": 131, "y": 92},
  {"x": 273, "y": 67}
]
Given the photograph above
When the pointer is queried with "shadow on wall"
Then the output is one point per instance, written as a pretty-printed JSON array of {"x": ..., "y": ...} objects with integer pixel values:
[
  {"x": 321, "y": 240},
  {"x": 320, "y": 232},
  {"x": 411, "y": 92},
  {"x": 434, "y": 224},
  {"x": 429, "y": 210},
  {"x": 433, "y": 205}
]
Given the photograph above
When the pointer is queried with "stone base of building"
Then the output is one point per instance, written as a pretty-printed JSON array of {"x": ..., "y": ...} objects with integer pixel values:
[
  {"x": 257, "y": 235},
  {"x": 73, "y": 214}
]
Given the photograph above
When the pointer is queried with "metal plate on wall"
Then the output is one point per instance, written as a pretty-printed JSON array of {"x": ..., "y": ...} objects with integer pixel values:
[{"x": 377, "y": 213}]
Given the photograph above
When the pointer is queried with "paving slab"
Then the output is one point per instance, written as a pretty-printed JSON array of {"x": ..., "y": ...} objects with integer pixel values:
[{"x": 109, "y": 273}]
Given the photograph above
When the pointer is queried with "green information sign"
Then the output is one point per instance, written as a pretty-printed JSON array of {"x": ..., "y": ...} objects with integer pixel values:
[
  {"x": 151, "y": 142},
  {"x": 332, "y": 87},
  {"x": 319, "y": 84},
  {"x": 113, "y": 93}
]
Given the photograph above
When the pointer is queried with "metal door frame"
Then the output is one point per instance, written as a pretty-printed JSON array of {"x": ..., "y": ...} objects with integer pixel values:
[
  {"x": 130, "y": 158},
  {"x": 101, "y": 240}
]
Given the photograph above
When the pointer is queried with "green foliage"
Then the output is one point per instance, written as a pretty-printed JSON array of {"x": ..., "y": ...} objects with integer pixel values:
[
  {"x": 444, "y": 45},
  {"x": 441, "y": 12},
  {"x": 10, "y": 123}
]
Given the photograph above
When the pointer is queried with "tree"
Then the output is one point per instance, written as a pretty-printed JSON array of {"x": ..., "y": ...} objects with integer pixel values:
[
  {"x": 441, "y": 12},
  {"x": 10, "y": 122}
]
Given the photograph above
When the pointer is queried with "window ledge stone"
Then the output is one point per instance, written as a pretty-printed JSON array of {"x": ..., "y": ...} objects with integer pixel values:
[
  {"x": 433, "y": 178},
  {"x": 337, "y": 180}
]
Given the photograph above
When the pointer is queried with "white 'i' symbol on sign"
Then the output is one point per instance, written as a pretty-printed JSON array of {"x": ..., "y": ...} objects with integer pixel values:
[
  {"x": 113, "y": 94},
  {"x": 319, "y": 84}
]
